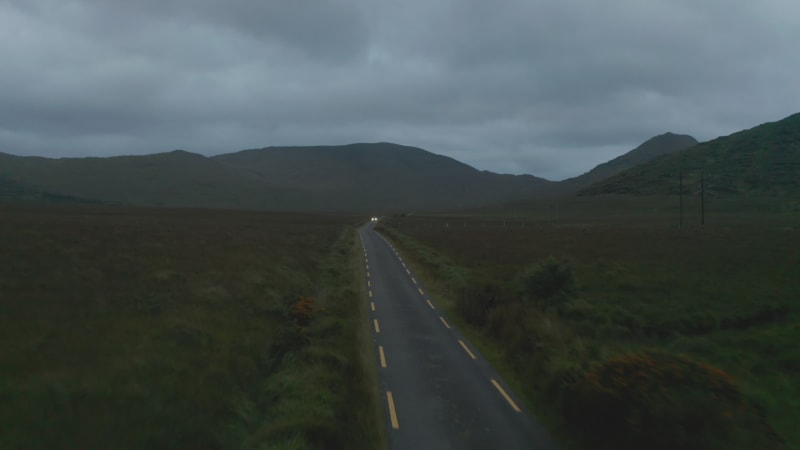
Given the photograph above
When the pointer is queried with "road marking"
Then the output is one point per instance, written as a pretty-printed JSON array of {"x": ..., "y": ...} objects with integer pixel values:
[
  {"x": 412, "y": 279},
  {"x": 392, "y": 412},
  {"x": 370, "y": 293},
  {"x": 378, "y": 328},
  {"x": 420, "y": 291},
  {"x": 444, "y": 322},
  {"x": 368, "y": 272},
  {"x": 466, "y": 349},
  {"x": 367, "y": 267},
  {"x": 369, "y": 283},
  {"x": 506, "y": 396},
  {"x": 408, "y": 271},
  {"x": 430, "y": 304},
  {"x": 383, "y": 356},
  {"x": 372, "y": 305}
]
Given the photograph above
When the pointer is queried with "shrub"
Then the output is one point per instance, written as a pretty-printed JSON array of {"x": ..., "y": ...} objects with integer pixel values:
[
  {"x": 302, "y": 311},
  {"x": 658, "y": 400},
  {"x": 549, "y": 283},
  {"x": 475, "y": 302}
]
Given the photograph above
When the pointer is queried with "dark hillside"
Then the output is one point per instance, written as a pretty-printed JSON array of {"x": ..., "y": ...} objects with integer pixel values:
[
  {"x": 177, "y": 178},
  {"x": 383, "y": 176},
  {"x": 652, "y": 148},
  {"x": 12, "y": 191},
  {"x": 764, "y": 160}
]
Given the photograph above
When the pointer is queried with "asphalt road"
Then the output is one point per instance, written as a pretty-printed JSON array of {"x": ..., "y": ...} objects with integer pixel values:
[{"x": 439, "y": 393}]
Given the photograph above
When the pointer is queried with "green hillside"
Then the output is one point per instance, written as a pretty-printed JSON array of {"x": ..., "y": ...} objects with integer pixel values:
[
  {"x": 764, "y": 160},
  {"x": 654, "y": 147}
]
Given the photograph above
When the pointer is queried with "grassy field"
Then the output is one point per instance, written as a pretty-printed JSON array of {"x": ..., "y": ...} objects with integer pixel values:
[
  {"x": 164, "y": 329},
  {"x": 726, "y": 296}
]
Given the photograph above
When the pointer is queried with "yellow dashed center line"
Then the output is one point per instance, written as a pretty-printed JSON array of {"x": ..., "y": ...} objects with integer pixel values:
[
  {"x": 378, "y": 328},
  {"x": 383, "y": 356},
  {"x": 444, "y": 322},
  {"x": 466, "y": 349},
  {"x": 369, "y": 283},
  {"x": 420, "y": 291},
  {"x": 412, "y": 279},
  {"x": 430, "y": 304},
  {"x": 370, "y": 293},
  {"x": 392, "y": 412},
  {"x": 505, "y": 395},
  {"x": 408, "y": 271},
  {"x": 367, "y": 273},
  {"x": 372, "y": 305}
]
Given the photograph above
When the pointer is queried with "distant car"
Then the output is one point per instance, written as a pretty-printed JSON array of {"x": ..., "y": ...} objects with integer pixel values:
[{"x": 374, "y": 219}]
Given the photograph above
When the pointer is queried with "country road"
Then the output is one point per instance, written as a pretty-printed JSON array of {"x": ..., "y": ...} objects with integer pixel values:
[{"x": 438, "y": 391}]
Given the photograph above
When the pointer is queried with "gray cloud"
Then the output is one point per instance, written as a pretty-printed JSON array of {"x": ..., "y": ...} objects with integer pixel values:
[{"x": 549, "y": 88}]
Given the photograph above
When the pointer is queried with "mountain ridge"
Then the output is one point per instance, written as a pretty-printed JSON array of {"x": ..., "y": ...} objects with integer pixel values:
[
  {"x": 384, "y": 176},
  {"x": 380, "y": 176}
]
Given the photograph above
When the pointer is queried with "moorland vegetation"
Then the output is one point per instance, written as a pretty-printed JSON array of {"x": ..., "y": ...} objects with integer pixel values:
[
  {"x": 134, "y": 328},
  {"x": 621, "y": 326}
]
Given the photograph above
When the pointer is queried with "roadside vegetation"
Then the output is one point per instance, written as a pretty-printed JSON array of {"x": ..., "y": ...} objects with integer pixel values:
[
  {"x": 133, "y": 328},
  {"x": 621, "y": 329}
]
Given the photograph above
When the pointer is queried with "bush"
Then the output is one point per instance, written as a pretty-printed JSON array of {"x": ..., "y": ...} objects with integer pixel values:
[
  {"x": 549, "y": 283},
  {"x": 474, "y": 303},
  {"x": 302, "y": 311},
  {"x": 658, "y": 400}
]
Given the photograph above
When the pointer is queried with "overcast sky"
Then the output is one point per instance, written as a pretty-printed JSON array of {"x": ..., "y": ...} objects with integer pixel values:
[{"x": 547, "y": 87}]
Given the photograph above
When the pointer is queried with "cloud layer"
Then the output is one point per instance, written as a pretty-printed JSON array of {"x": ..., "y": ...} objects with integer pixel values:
[{"x": 550, "y": 87}]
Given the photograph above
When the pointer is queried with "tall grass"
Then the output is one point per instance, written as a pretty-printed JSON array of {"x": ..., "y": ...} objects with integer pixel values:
[{"x": 135, "y": 328}]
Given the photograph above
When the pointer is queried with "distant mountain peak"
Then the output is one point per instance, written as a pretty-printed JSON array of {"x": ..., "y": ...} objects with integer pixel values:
[
  {"x": 181, "y": 152},
  {"x": 670, "y": 135}
]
